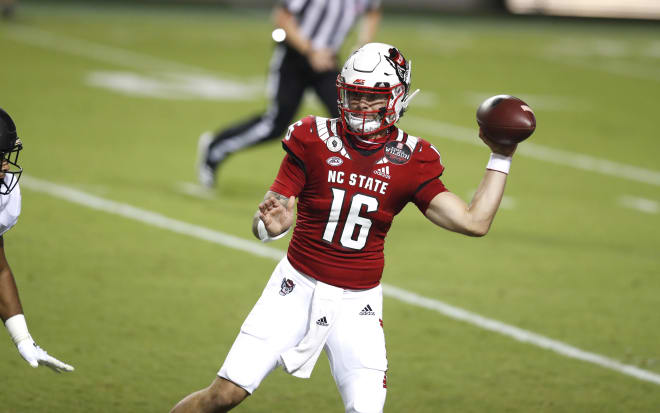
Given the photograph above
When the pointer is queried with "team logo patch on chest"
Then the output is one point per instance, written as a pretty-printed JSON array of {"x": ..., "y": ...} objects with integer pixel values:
[
  {"x": 287, "y": 286},
  {"x": 334, "y": 144},
  {"x": 397, "y": 152}
]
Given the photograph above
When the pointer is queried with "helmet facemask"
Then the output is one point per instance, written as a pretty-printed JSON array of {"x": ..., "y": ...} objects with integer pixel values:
[
  {"x": 10, "y": 146},
  {"x": 11, "y": 169},
  {"x": 373, "y": 91},
  {"x": 368, "y": 110}
]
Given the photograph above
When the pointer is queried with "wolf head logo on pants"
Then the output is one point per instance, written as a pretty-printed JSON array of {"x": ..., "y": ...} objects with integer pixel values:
[{"x": 287, "y": 286}]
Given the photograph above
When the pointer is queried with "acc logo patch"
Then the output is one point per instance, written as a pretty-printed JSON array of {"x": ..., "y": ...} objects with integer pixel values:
[
  {"x": 334, "y": 144},
  {"x": 397, "y": 152},
  {"x": 334, "y": 161},
  {"x": 287, "y": 286}
]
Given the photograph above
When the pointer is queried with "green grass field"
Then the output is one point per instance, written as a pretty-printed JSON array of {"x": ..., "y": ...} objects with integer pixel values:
[{"x": 146, "y": 315}]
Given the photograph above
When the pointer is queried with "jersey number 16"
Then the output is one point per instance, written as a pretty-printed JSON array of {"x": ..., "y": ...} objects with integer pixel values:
[{"x": 353, "y": 219}]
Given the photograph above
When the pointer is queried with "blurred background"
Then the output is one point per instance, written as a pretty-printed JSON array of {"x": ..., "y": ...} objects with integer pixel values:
[
  {"x": 139, "y": 277},
  {"x": 620, "y": 9}
]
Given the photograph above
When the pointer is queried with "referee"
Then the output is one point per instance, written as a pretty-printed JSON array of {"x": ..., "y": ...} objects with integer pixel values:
[{"x": 315, "y": 31}]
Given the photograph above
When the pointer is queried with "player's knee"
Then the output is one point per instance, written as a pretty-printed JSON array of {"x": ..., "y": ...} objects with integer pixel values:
[
  {"x": 365, "y": 392},
  {"x": 223, "y": 395},
  {"x": 371, "y": 407},
  {"x": 367, "y": 404}
]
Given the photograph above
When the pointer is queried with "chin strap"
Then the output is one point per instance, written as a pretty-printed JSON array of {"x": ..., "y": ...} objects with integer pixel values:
[{"x": 406, "y": 101}]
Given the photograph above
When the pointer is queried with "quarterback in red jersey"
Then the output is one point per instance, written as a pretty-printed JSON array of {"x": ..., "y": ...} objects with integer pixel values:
[
  {"x": 350, "y": 177},
  {"x": 348, "y": 196}
]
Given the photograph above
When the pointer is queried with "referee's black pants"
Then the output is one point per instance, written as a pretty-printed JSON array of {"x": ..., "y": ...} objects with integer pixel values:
[{"x": 290, "y": 74}]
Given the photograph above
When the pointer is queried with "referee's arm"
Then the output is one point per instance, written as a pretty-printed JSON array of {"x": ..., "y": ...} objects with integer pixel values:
[
  {"x": 369, "y": 27},
  {"x": 320, "y": 60},
  {"x": 294, "y": 37}
]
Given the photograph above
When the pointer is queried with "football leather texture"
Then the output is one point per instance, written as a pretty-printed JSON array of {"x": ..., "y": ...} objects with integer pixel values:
[{"x": 506, "y": 119}]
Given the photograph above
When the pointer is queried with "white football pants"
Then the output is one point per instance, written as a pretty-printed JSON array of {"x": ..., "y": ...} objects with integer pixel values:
[{"x": 279, "y": 320}]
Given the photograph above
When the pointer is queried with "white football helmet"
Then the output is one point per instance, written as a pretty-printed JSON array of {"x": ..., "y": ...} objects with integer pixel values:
[{"x": 373, "y": 90}]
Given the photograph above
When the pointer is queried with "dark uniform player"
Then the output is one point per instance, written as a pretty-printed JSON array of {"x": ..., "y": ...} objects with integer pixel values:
[
  {"x": 315, "y": 30},
  {"x": 11, "y": 311},
  {"x": 351, "y": 176}
]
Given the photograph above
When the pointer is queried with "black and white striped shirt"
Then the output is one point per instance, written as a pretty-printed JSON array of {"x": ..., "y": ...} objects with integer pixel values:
[{"x": 327, "y": 22}]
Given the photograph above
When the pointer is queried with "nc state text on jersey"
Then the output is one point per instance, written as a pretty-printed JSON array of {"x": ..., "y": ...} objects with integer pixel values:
[{"x": 361, "y": 181}]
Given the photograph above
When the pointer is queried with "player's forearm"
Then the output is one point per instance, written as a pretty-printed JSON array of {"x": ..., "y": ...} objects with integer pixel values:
[
  {"x": 294, "y": 37},
  {"x": 486, "y": 201},
  {"x": 10, "y": 304}
]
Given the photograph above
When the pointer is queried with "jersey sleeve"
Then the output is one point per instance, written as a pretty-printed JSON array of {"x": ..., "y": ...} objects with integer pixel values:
[
  {"x": 297, "y": 137},
  {"x": 290, "y": 179},
  {"x": 430, "y": 169}
]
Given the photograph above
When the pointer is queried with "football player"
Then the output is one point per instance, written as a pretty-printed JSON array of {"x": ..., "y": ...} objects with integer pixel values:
[
  {"x": 11, "y": 310},
  {"x": 350, "y": 177}
]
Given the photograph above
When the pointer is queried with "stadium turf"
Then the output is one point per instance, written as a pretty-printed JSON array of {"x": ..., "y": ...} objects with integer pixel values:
[{"x": 110, "y": 100}]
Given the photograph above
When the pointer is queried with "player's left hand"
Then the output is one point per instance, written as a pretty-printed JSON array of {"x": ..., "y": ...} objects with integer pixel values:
[
  {"x": 277, "y": 216},
  {"x": 506, "y": 150},
  {"x": 36, "y": 356}
]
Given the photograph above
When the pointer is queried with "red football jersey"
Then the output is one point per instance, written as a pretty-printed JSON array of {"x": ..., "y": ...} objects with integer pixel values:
[{"x": 347, "y": 197}]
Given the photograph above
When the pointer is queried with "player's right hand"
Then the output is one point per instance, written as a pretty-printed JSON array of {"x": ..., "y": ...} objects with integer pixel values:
[
  {"x": 276, "y": 216},
  {"x": 506, "y": 150},
  {"x": 36, "y": 356}
]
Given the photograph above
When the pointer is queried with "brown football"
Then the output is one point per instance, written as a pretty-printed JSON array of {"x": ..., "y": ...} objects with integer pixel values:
[{"x": 506, "y": 119}]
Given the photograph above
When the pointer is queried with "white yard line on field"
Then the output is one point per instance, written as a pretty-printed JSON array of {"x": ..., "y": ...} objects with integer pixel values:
[
  {"x": 540, "y": 152},
  {"x": 640, "y": 204},
  {"x": 151, "y": 218},
  {"x": 518, "y": 334},
  {"x": 126, "y": 58},
  {"x": 256, "y": 248},
  {"x": 100, "y": 52},
  {"x": 196, "y": 190}
]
